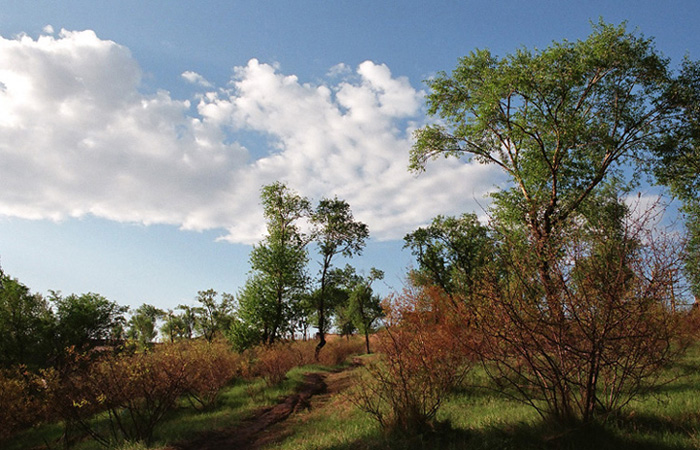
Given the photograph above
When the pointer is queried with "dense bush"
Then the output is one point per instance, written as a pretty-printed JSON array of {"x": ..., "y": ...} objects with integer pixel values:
[
  {"x": 338, "y": 350},
  {"x": 424, "y": 355},
  {"x": 211, "y": 366},
  {"x": 136, "y": 390},
  {"x": 22, "y": 400}
]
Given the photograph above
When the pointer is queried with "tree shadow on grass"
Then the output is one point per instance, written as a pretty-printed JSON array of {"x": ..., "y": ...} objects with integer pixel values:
[{"x": 529, "y": 437}]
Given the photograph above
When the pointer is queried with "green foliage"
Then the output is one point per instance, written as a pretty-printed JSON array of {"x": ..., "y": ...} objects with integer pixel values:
[
  {"x": 26, "y": 325},
  {"x": 557, "y": 121},
  {"x": 278, "y": 277},
  {"x": 174, "y": 327},
  {"x": 450, "y": 252},
  {"x": 142, "y": 324},
  {"x": 85, "y": 320},
  {"x": 337, "y": 233},
  {"x": 254, "y": 316},
  {"x": 676, "y": 161}
]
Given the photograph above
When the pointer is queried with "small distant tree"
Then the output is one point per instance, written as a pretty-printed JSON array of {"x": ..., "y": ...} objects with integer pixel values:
[
  {"x": 188, "y": 318},
  {"x": 366, "y": 307},
  {"x": 343, "y": 321},
  {"x": 337, "y": 233},
  {"x": 142, "y": 324},
  {"x": 173, "y": 328},
  {"x": 213, "y": 317}
]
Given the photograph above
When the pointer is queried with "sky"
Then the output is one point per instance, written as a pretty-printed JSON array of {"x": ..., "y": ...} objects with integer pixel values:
[{"x": 135, "y": 135}]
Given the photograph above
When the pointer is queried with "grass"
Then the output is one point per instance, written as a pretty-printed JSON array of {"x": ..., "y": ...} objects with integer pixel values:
[{"x": 667, "y": 418}]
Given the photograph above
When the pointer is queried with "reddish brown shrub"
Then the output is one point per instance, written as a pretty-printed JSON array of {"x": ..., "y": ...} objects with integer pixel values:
[
  {"x": 423, "y": 357},
  {"x": 272, "y": 362},
  {"x": 582, "y": 342},
  {"x": 210, "y": 367},
  {"x": 338, "y": 350}
]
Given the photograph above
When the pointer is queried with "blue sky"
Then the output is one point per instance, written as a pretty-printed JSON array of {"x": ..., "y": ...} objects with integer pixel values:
[{"x": 135, "y": 135}]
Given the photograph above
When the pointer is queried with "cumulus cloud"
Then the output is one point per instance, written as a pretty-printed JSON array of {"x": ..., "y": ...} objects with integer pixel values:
[{"x": 78, "y": 137}]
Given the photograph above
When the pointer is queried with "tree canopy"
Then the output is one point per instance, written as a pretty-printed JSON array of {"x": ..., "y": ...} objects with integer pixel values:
[{"x": 557, "y": 121}]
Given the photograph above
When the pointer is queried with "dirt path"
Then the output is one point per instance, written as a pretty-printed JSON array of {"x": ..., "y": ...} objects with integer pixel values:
[{"x": 259, "y": 429}]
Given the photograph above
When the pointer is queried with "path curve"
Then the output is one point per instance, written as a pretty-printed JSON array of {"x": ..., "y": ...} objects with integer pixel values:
[{"x": 245, "y": 435}]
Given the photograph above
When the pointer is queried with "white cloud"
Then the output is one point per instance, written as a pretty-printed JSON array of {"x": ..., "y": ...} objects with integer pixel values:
[
  {"x": 195, "y": 78},
  {"x": 339, "y": 70},
  {"x": 77, "y": 137}
]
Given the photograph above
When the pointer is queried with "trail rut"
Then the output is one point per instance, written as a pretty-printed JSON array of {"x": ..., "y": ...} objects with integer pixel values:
[{"x": 250, "y": 433}]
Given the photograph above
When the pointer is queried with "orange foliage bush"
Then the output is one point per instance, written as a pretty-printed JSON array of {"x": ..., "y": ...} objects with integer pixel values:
[
  {"x": 337, "y": 351},
  {"x": 138, "y": 389},
  {"x": 21, "y": 401},
  {"x": 272, "y": 362},
  {"x": 211, "y": 366},
  {"x": 424, "y": 355}
]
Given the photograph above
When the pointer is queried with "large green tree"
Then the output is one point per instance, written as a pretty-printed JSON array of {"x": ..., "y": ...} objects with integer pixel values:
[
  {"x": 558, "y": 122},
  {"x": 562, "y": 123},
  {"x": 337, "y": 233}
]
